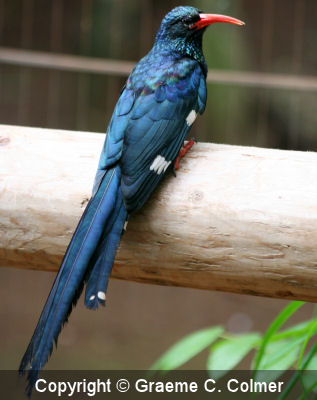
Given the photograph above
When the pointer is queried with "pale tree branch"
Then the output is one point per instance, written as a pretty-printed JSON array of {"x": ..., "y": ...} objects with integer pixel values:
[{"x": 235, "y": 219}]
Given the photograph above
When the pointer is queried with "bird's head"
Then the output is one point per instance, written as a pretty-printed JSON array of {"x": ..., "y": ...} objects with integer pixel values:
[
  {"x": 184, "y": 22},
  {"x": 184, "y": 26}
]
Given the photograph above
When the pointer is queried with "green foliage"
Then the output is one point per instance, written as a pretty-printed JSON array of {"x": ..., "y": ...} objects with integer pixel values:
[
  {"x": 275, "y": 352},
  {"x": 309, "y": 378},
  {"x": 227, "y": 353},
  {"x": 187, "y": 348},
  {"x": 276, "y": 324}
]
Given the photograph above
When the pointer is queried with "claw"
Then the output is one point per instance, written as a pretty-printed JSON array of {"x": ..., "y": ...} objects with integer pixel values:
[{"x": 184, "y": 149}]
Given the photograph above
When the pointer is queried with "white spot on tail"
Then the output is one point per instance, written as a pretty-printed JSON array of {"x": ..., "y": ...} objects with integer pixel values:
[
  {"x": 102, "y": 295},
  {"x": 125, "y": 225},
  {"x": 92, "y": 297},
  {"x": 159, "y": 165},
  {"x": 191, "y": 117}
]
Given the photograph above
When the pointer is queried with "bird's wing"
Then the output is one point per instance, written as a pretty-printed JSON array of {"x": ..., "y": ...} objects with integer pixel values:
[
  {"x": 113, "y": 145},
  {"x": 158, "y": 123},
  {"x": 147, "y": 129}
]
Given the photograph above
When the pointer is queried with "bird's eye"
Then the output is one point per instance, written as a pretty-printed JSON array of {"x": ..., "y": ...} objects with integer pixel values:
[{"x": 189, "y": 21}]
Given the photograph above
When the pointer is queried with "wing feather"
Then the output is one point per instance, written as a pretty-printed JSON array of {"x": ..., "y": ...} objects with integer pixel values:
[{"x": 150, "y": 121}]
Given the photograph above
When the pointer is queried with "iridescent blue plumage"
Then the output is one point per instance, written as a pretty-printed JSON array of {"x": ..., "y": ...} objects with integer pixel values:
[{"x": 156, "y": 108}]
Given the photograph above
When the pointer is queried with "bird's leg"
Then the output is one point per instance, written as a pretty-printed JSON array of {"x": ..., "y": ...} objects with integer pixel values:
[{"x": 184, "y": 149}]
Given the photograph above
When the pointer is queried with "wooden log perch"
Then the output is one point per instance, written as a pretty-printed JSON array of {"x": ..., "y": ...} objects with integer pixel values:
[{"x": 235, "y": 219}]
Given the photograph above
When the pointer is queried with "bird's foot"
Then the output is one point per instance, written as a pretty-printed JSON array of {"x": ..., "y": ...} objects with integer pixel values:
[{"x": 184, "y": 149}]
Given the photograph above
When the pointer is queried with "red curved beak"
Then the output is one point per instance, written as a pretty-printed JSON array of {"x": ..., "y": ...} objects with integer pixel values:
[{"x": 207, "y": 19}]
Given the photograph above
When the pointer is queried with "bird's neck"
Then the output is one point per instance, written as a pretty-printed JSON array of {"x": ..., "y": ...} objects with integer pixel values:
[{"x": 191, "y": 48}]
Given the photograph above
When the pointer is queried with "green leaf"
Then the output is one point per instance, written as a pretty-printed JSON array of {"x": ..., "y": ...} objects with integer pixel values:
[
  {"x": 312, "y": 365},
  {"x": 283, "y": 316},
  {"x": 297, "y": 375},
  {"x": 187, "y": 348},
  {"x": 309, "y": 377},
  {"x": 295, "y": 330},
  {"x": 310, "y": 333},
  {"x": 226, "y": 354},
  {"x": 278, "y": 357},
  {"x": 276, "y": 352}
]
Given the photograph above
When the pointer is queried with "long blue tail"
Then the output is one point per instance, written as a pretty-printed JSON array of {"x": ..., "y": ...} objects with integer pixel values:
[{"x": 89, "y": 258}]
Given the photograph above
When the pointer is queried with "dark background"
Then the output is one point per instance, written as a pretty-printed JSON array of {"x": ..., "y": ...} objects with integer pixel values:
[{"x": 278, "y": 41}]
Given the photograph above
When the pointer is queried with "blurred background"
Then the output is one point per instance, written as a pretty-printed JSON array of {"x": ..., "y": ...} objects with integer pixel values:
[{"x": 62, "y": 65}]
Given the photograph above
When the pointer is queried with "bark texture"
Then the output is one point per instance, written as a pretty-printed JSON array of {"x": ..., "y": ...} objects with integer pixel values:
[{"x": 235, "y": 219}]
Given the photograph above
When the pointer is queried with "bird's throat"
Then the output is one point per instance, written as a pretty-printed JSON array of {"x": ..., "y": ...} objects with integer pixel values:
[{"x": 191, "y": 48}]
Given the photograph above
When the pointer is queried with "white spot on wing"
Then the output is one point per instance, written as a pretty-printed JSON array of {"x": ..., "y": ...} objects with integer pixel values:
[
  {"x": 159, "y": 165},
  {"x": 92, "y": 297},
  {"x": 155, "y": 163},
  {"x": 167, "y": 163},
  {"x": 102, "y": 295},
  {"x": 191, "y": 117},
  {"x": 125, "y": 225}
]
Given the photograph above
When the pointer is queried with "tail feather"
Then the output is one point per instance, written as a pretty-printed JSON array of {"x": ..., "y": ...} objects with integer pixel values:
[
  {"x": 98, "y": 280},
  {"x": 74, "y": 271}
]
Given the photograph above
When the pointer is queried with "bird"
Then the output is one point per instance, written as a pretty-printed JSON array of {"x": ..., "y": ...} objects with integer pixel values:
[{"x": 157, "y": 106}]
